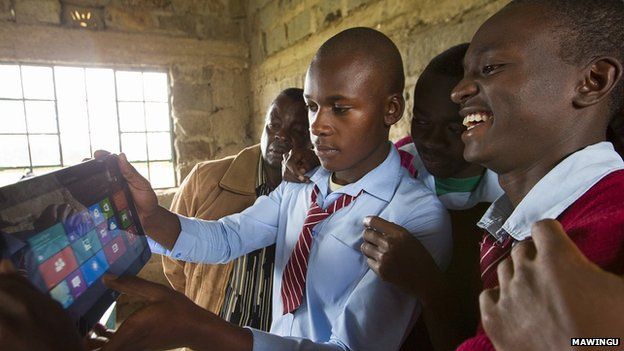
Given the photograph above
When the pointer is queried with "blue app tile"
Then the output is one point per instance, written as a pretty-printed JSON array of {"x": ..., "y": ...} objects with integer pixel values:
[
  {"x": 94, "y": 267},
  {"x": 61, "y": 294},
  {"x": 86, "y": 246},
  {"x": 113, "y": 227},
  {"x": 97, "y": 214},
  {"x": 78, "y": 225},
  {"x": 48, "y": 242}
]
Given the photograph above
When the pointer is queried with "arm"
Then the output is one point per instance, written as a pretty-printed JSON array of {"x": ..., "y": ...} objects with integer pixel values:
[
  {"x": 231, "y": 236},
  {"x": 407, "y": 260},
  {"x": 198, "y": 240},
  {"x": 550, "y": 292}
]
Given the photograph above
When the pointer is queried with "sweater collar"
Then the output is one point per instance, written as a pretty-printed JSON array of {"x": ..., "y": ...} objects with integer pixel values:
[
  {"x": 236, "y": 178},
  {"x": 553, "y": 194}
]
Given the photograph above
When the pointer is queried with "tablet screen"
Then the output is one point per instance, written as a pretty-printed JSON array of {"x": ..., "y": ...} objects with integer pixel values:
[{"x": 66, "y": 229}]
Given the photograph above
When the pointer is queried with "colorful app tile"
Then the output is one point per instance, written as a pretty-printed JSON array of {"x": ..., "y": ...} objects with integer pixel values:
[
  {"x": 76, "y": 282},
  {"x": 103, "y": 233},
  {"x": 97, "y": 214},
  {"x": 107, "y": 208},
  {"x": 94, "y": 267},
  {"x": 119, "y": 198},
  {"x": 61, "y": 294},
  {"x": 115, "y": 249},
  {"x": 48, "y": 242},
  {"x": 131, "y": 235},
  {"x": 86, "y": 246},
  {"x": 78, "y": 225},
  {"x": 126, "y": 218},
  {"x": 57, "y": 267}
]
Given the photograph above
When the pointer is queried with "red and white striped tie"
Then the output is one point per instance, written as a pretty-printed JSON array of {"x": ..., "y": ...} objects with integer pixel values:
[
  {"x": 492, "y": 253},
  {"x": 294, "y": 277}
]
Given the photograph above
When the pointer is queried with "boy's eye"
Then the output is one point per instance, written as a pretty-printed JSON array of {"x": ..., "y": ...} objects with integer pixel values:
[
  {"x": 421, "y": 123},
  {"x": 456, "y": 128},
  {"x": 311, "y": 107},
  {"x": 339, "y": 109},
  {"x": 489, "y": 69}
]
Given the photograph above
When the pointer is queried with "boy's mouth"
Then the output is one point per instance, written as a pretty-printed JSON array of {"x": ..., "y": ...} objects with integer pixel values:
[
  {"x": 474, "y": 119},
  {"x": 324, "y": 150}
]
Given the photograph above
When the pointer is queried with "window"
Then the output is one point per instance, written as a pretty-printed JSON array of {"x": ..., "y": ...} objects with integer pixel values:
[{"x": 55, "y": 116}]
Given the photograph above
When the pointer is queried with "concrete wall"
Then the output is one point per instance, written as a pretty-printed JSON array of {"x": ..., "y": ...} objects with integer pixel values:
[
  {"x": 284, "y": 34},
  {"x": 199, "y": 42}
]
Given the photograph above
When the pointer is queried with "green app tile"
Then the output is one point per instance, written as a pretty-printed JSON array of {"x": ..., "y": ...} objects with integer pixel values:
[
  {"x": 125, "y": 218},
  {"x": 107, "y": 208},
  {"x": 48, "y": 242},
  {"x": 86, "y": 246}
]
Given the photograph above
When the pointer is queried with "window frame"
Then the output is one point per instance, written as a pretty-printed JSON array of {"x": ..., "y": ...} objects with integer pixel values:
[{"x": 115, "y": 68}]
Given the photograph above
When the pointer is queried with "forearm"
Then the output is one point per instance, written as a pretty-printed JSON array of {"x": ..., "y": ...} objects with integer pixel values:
[
  {"x": 225, "y": 336},
  {"x": 163, "y": 226}
]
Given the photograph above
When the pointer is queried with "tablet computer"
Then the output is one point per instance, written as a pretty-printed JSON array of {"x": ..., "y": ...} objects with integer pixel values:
[{"x": 65, "y": 229}]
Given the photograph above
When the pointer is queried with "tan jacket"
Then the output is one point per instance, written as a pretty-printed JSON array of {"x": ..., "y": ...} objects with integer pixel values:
[{"x": 212, "y": 190}]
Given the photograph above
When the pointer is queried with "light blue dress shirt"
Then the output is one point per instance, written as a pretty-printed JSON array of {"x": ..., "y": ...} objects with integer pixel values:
[
  {"x": 346, "y": 305},
  {"x": 552, "y": 194}
]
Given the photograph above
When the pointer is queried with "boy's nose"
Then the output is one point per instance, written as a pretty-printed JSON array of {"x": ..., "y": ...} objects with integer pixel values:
[
  {"x": 464, "y": 90},
  {"x": 319, "y": 125}
]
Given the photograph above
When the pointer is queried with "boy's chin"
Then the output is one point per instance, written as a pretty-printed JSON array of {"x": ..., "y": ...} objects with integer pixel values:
[{"x": 329, "y": 165}]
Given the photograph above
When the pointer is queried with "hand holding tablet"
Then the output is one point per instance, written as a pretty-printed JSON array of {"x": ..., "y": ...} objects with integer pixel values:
[{"x": 65, "y": 229}]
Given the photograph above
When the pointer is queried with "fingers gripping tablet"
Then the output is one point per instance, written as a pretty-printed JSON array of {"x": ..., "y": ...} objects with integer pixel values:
[{"x": 65, "y": 229}]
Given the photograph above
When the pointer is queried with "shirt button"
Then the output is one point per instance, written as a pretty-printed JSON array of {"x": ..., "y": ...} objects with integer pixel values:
[{"x": 178, "y": 255}]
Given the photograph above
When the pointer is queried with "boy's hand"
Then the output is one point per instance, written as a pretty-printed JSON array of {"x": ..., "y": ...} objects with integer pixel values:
[
  {"x": 171, "y": 320},
  {"x": 30, "y": 320},
  {"x": 549, "y": 292},
  {"x": 142, "y": 192},
  {"x": 297, "y": 163},
  {"x": 399, "y": 258}
]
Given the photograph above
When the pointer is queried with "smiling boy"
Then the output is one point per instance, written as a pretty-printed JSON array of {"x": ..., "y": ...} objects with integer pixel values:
[
  {"x": 324, "y": 297},
  {"x": 543, "y": 81}
]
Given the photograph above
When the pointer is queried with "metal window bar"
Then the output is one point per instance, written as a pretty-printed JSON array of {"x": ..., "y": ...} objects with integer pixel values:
[{"x": 31, "y": 167}]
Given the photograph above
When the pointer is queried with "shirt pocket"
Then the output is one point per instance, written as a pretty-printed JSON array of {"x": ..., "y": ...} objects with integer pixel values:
[{"x": 336, "y": 270}]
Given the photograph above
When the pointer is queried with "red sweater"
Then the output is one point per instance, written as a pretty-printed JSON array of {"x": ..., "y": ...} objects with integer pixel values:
[{"x": 595, "y": 222}]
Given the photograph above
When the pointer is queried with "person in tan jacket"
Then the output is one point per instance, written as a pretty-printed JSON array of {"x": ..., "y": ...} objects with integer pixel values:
[{"x": 239, "y": 291}]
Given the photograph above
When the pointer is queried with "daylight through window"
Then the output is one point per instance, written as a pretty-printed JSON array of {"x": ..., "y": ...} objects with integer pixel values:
[{"x": 55, "y": 116}]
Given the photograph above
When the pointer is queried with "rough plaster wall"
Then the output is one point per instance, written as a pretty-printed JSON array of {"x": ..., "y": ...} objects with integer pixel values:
[
  {"x": 199, "y": 42},
  {"x": 284, "y": 34}
]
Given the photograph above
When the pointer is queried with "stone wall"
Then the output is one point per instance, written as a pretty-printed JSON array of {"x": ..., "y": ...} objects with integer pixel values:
[
  {"x": 284, "y": 34},
  {"x": 201, "y": 44}
]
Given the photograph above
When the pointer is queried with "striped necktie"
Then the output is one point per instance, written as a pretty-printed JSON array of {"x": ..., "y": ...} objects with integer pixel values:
[
  {"x": 492, "y": 253},
  {"x": 294, "y": 277}
]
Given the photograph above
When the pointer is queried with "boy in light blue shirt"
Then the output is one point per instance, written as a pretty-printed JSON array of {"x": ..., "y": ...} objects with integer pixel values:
[{"x": 325, "y": 297}]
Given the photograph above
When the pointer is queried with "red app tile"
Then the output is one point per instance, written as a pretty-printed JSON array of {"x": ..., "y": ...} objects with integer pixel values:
[
  {"x": 58, "y": 267},
  {"x": 119, "y": 198}
]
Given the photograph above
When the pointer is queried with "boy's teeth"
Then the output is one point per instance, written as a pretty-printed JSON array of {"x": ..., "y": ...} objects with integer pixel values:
[{"x": 475, "y": 118}]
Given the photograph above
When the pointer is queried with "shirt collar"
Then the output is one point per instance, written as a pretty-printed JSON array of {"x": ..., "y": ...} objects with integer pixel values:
[
  {"x": 380, "y": 182},
  {"x": 554, "y": 193}
]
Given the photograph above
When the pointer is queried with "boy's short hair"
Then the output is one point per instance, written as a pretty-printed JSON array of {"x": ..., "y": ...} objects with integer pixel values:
[
  {"x": 450, "y": 62},
  {"x": 588, "y": 29},
  {"x": 295, "y": 94},
  {"x": 364, "y": 43}
]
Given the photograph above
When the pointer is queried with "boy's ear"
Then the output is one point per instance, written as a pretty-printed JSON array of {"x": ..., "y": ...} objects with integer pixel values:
[
  {"x": 394, "y": 109},
  {"x": 600, "y": 77}
]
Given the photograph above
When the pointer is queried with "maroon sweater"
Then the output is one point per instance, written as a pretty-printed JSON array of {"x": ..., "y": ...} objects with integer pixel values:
[{"x": 595, "y": 222}]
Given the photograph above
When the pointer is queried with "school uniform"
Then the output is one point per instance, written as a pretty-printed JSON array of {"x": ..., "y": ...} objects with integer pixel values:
[
  {"x": 585, "y": 192},
  {"x": 345, "y": 305}
]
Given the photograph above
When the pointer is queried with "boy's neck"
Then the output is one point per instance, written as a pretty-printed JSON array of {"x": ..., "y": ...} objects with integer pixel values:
[
  {"x": 518, "y": 182},
  {"x": 360, "y": 169}
]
